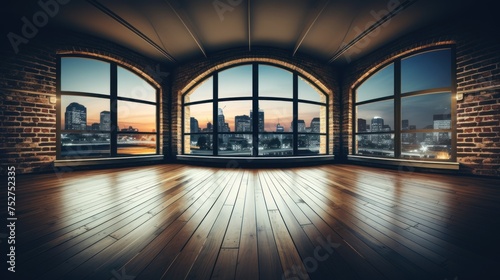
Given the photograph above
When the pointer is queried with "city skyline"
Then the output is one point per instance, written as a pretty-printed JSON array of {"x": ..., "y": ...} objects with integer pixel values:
[
  {"x": 243, "y": 123},
  {"x": 439, "y": 121},
  {"x": 102, "y": 119}
]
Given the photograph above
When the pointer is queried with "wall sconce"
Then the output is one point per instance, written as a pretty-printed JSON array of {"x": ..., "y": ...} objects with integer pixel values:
[
  {"x": 52, "y": 100},
  {"x": 459, "y": 96}
]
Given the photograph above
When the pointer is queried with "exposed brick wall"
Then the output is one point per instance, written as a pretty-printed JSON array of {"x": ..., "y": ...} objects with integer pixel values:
[
  {"x": 28, "y": 118},
  {"x": 477, "y": 78},
  {"x": 185, "y": 76}
]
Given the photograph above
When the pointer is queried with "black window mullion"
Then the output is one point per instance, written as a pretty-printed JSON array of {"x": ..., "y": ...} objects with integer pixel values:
[
  {"x": 113, "y": 106},
  {"x": 255, "y": 109},
  {"x": 295, "y": 117},
  {"x": 215, "y": 115},
  {"x": 183, "y": 128},
  {"x": 453, "y": 104},
  {"x": 58, "y": 110},
  {"x": 397, "y": 108}
]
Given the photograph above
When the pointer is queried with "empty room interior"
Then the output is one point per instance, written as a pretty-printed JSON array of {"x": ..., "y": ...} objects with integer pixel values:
[{"x": 250, "y": 139}]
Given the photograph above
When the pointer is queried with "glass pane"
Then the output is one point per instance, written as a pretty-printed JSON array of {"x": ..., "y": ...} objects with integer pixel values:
[
  {"x": 309, "y": 92},
  {"x": 429, "y": 145},
  {"x": 311, "y": 144},
  {"x": 426, "y": 71},
  {"x": 78, "y": 145},
  {"x": 84, "y": 113},
  {"x": 375, "y": 117},
  {"x": 275, "y": 144},
  {"x": 199, "y": 117},
  {"x": 85, "y": 75},
  {"x": 429, "y": 111},
  {"x": 235, "y": 144},
  {"x": 313, "y": 117},
  {"x": 236, "y": 82},
  {"x": 234, "y": 116},
  {"x": 203, "y": 91},
  {"x": 136, "y": 144},
  {"x": 375, "y": 145},
  {"x": 136, "y": 117},
  {"x": 380, "y": 84},
  {"x": 275, "y": 82},
  {"x": 277, "y": 116},
  {"x": 131, "y": 85},
  {"x": 198, "y": 144}
]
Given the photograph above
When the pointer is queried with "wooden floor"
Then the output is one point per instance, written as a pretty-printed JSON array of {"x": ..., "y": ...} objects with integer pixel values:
[{"x": 326, "y": 222}]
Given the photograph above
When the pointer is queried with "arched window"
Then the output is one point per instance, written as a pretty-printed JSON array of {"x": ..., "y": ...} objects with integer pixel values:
[
  {"x": 105, "y": 110},
  {"x": 405, "y": 110},
  {"x": 255, "y": 110}
]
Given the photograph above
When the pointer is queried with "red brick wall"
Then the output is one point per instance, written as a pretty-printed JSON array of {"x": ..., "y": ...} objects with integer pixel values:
[
  {"x": 477, "y": 78},
  {"x": 28, "y": 118}
]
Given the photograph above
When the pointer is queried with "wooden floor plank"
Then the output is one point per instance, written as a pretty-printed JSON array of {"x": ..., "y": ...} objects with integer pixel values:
[
  {"x": 174, "y": 221},
  {"x": 225, "y": 267},
  {"x": 248, "y": 265},
  {"x": 269, "y": 259}
]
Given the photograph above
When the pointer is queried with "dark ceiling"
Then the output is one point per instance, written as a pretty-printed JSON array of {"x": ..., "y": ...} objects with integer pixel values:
[{"x": 174, "y": 31}]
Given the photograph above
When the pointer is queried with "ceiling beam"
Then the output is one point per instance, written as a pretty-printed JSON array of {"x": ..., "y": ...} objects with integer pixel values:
[
  {"x": 313, "y": 17},
  {"x": 130, "y": 27},
  {"x": 370, "y": 29},
  {"x": 187, "y": 24}
]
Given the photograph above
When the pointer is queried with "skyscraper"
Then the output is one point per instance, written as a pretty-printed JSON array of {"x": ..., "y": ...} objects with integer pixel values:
[
  {"x": 441, "y": 121},
  {"x": 405, "y": 125},
  {"x": 194, "y": 126},
  {"x": 315, "y": 125},
  {"x": 301, "y": 126},
  {"x": 75, "y": 117},
  {"x": 105, "y": 121},
  {"x": 242, "y": 123},
  {"x": 361, "y": 125},
  {"x": 377, "y": 124},
  {"x": 261, "y": 120}
]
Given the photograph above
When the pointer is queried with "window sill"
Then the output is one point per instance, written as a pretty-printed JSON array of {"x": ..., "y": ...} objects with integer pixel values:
[
  {"x": 234, "y": 162},
  {"x": 108, "y": 161},
  {"x": 439, "y": 165}
]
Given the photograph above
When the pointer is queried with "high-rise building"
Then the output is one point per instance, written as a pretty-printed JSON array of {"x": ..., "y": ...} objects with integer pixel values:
[
  {"x": 377, "y": 124},
  {"x": 301, "y": 126},
  {"x": 361, "y": 125},
  {"x": 95, "y": 126},
  {"x": 194, "y": 126},
  {"x": 261, "y": 120},
  {"x": 105, "y": 121},
  {"x": 441, "y": 121},
  {"x": 405, "y": 125},
  {"x": 209, "y": 127},
  {"x": 242, "y": 123},
  {"x": 75, "y": 117},
  {"x": 315, "y": 125}
]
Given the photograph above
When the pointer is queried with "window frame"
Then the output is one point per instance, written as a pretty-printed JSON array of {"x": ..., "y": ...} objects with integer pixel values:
[
  {"x": 113, "y": 99},
  {"x": 255, "y": 98},
  {"x": 397, "y": 99}
]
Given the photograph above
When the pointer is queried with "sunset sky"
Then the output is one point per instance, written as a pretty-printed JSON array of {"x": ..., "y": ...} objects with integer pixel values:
[
  {"x": 93, "y": 76},
  {"x": 429, "y": 70},
  {"x": 273, "y": 82}
]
